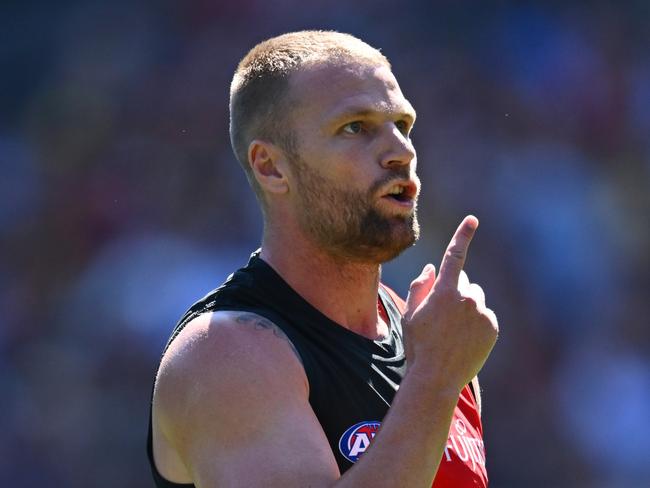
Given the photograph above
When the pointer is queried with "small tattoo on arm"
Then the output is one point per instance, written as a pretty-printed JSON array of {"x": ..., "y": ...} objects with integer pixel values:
[{"x": 262, "y": 323}]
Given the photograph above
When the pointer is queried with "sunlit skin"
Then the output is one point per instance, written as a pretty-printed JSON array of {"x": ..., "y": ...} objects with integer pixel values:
[
  {"x": 351, "y": 124},
  {"x": 353, "y": 147}
]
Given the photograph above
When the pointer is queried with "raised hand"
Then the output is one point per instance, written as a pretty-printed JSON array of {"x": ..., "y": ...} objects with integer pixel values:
[{"x": 449, "y": 330}]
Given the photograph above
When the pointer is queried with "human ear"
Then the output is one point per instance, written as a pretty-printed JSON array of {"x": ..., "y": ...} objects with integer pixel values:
[{"x": 267, "y": 164}]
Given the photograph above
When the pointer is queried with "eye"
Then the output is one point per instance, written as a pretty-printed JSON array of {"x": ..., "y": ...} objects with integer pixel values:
[
  {"x": 353, "y": 127},
  {"x": 402, "y": 126}
]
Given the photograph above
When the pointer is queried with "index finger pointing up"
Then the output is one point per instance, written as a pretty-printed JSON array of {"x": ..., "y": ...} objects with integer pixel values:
[{"x": 454, "y": 258}]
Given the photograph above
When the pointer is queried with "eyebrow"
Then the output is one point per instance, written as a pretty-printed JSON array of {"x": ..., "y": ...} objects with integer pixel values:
[{"x": 364, "y": 111}]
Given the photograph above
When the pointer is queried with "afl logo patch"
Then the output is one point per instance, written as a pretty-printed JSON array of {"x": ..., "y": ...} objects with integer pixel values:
[{"x": 356, "y": 439}]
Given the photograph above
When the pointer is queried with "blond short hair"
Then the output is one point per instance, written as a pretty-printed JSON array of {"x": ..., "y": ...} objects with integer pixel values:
[{"x": 259, "y": 92}]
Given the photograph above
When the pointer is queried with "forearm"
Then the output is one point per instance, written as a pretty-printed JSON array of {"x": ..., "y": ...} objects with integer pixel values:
[{"x": 409, "y": 446}]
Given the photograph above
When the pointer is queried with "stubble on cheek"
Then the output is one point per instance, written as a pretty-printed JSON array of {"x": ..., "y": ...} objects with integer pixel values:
[{"x": 348, "y": 224}]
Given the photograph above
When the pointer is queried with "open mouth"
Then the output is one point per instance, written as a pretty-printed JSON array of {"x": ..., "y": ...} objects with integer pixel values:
[
  {"x": 399, "y": 194},
  {"x": 402, "y": 192}
]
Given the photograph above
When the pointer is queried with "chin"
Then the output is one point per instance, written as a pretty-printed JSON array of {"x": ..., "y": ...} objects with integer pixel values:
[
  {"x": 397, "y": 249},
  {"x": 388, "y": 248}
]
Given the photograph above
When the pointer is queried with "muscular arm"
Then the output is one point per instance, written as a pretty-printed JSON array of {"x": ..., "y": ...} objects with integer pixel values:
[{"x": 231, "y": 396}]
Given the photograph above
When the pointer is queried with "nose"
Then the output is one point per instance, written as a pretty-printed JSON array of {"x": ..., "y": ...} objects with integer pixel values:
[{"x": 398, "y": 149}]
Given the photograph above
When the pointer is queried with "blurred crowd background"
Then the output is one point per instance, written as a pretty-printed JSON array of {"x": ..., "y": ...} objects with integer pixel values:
[{"x": 121, "y": 203}]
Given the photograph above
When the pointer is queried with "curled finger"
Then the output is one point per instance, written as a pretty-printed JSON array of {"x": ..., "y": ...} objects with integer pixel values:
[{"x": 477, "y": 293}]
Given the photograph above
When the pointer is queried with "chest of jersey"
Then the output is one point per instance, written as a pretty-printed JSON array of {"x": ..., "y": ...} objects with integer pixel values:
[
  {"x": 351, "y": 393},
  {"x": 352, "y": 379}
]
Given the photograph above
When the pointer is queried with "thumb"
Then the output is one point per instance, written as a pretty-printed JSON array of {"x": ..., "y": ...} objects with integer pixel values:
[{"x": 420, "y": 288}]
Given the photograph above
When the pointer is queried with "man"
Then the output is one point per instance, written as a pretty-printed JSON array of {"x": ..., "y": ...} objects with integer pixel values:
[{"x": 288, "y": 374}]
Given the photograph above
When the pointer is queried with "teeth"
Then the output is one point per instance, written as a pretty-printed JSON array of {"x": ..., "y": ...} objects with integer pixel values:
[{"x": 396, "y": 190}]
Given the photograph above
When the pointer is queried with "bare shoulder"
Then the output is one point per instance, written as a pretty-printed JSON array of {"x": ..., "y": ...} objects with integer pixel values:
[
  {"x": 222, "y": 350},
  {"x": 231, "y": 388},
  {"x": 225, "y": 332}
]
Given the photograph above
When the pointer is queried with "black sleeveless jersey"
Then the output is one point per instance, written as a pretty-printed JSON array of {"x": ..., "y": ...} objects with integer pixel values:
[{"x": 352, "y": 379}]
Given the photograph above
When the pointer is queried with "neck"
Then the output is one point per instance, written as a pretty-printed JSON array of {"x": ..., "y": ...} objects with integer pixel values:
[{"x": 344, "y": 291}]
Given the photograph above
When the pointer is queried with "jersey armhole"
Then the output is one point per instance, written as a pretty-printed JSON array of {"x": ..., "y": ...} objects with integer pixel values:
[{"x": 397, "y": 301}]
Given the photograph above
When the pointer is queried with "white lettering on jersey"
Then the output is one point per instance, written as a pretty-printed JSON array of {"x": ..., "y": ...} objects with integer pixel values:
[
  {"x": 361, "y": 443},
  {"x": 465, "y": 447}
]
